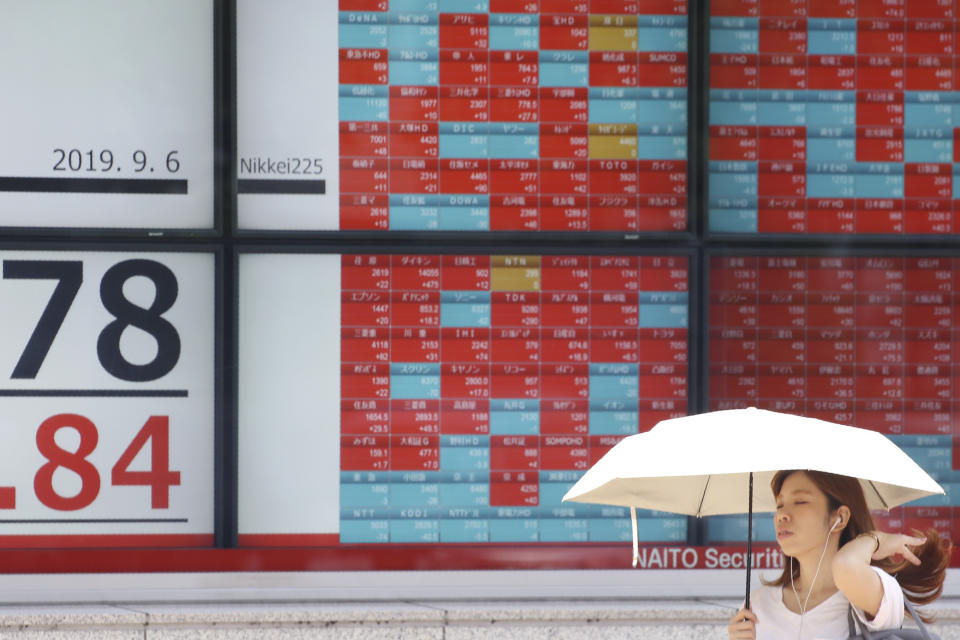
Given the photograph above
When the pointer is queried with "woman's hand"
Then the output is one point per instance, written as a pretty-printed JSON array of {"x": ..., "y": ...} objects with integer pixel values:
[
  {"x": 895, "y": 546},
  {"x": 743, "y": 626}
]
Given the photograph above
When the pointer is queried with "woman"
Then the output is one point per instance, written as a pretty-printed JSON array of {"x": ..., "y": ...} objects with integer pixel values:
[{"x": 835, "y": 558}]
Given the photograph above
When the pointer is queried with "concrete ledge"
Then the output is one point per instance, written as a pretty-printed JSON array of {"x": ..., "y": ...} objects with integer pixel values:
[{"x": 414, "y": 620}]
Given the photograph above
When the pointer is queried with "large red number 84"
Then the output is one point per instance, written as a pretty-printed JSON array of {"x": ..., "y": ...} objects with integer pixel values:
[{"x": 159, "y": 478}]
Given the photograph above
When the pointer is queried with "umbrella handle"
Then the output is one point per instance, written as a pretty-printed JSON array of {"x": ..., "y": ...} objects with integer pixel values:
[{"x": 749, "y": 540}]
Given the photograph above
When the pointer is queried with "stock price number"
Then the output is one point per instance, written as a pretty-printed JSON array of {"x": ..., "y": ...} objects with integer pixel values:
[{"x": 154, "y": 435}]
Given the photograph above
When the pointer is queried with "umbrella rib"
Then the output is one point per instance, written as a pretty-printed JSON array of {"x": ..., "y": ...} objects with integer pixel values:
[
  {"x": 879, "y": 497},
  {"x": 703, "y": 495}
]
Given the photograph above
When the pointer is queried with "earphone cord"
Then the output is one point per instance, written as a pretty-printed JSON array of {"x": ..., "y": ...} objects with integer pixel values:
[{"x": 803, "y": 605}]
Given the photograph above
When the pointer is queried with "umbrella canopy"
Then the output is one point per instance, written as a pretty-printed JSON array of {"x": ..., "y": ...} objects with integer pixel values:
[
  {"x": 721, "y": 462},
  {"x": 698, "y": 465}
]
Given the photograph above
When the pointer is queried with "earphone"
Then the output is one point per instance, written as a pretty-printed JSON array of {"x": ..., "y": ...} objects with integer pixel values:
[{"x": 836, "y": 524}]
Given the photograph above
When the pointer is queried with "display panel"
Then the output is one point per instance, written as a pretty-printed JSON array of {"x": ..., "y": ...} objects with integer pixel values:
[
  {"x": 462, "y": 115},
  {"x": 450, "y": 398},
  {"x": 107, "y": 114},
  {"x": 869, "y": 341},
  {"x": 108, "y": 395},
  {"x": 833, "y": 117}
]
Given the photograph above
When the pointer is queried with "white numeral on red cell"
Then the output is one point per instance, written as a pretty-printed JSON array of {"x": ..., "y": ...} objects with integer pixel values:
[{"x": 156, "y": 432}]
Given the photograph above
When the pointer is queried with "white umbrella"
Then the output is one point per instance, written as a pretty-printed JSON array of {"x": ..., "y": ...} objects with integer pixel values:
[{"x": 706, "y": 464}]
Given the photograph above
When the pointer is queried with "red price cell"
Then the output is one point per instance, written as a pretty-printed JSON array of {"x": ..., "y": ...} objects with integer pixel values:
[
  {"x": 614, "y": 309},
  {"x": 364, "y": 308},
  {"x": 880, "y": 109},
  {"x": 564, "y": 105},
  {"x": 466, "y": 273},
  {"x": 414, "y": 453},
  {"x": 512, "y": 6},
  {"x": 565, "y": 273},
  {"x": 789, "y": 310},
  {"x": 415, "y": 309},
  {"x": 831, "y": 72},
  {"x": 565, "y": 213},
  {"x": 566, "y": 309},
  {"x": 782, "y": 215},
  {"x": 564, "y": 452},
  {"x": 782, "y": 178},
  {"x": 463, "y": 67},
  {"x": 364, "y": 175},
  {"x": 840, "y": 385},
  {"x": 470, "y": 176},
  {"x": 363, "y": 211},
  {"x": 363, "y": 5},
  {"x": 414, "y": 139},
  {"x": 564, "y": 32},
  {"x": 563, "y": 141},
  {"x": 465, "y": 416},
  {"x": 364, "y": 380},
  {"x": 883, "y": 72},
  {"x": 735, "y": 8},
  {"x": 931, "y": 181},
  {"x": 782, "y": 35},
  {"x": 363, "y": 139},
  {"x": 736, "y": 387},
  {"x": 926, "y": 347},
  {"x": 662, "y": 69},
  {"x": 514, "y": 488},
  {"x": 515, "y": 309},
  {"x": 564, "y": 380},
  {"x": 364, "y": 345},
  {"x": 358, "y": 417},
  {"x": 415, "y": 345},
  {"x": 415, "y": 417},
  {"x": 464, "y": 104},
  {"x": 600, "y": 445},
  {"x": 520, "y": 345},
  {"x": 892, "y": 9},
  {"x": 932, "y": 37},
  {"x": 514, "y": 452},
  {"x": 564, "y": 416},
  {"x": 614, "y": 345},
  {"x": 464, "y": 31},
  {"x": 515, "y": 176},
  {"x": 783, "y": 8},
  {"x": 413, "y": 103},
  {"x": 468, "y": 345},
  {"x": 782, "y": 143},
  {"x": 663, "y": 345},
  {"x": 734, "y": 71},
  {"x": 365, "y": 66},
  {"x": 515, "y": 381},
  {"x": 414, "y": 176},
  {"x": 515, "y": 104},
  {"x": 733, "y": 143},
  {"x": 615, "y": 273},
  {"x": 465, "y": 380},
  {"x": 614, "y": 69},
  {"x": 833, "y": 9},
  {"x": 415, "y": 273}
]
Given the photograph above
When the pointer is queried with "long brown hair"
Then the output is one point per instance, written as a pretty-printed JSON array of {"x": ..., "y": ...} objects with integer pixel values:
[{"x": 921, "y": 584}]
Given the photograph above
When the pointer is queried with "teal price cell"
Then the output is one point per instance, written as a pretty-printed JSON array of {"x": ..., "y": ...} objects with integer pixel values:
[
  {"x": 364, "y": 495},
  {"x": 514, "y": 525},
  {"x": 365, "y": 103},
  {"x": 408, "y": 530},
  {"x": 465, "y": 309},
  {"x": 364, "y": 531},
  {"x": 464, "y": 531}
]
